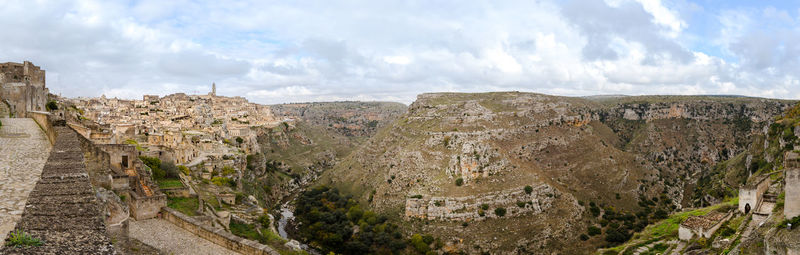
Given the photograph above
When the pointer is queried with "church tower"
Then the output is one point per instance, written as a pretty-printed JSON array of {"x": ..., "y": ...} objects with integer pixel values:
[{"x": 214, "y": 89}]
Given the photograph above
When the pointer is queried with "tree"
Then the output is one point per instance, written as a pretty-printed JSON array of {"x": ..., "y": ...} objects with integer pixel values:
[
  {"x": 239, "y": 140},
  {"x": 528, "y": 189},
  {"x": 51, "y": 106},
  {"x": 459, "y": 181}
]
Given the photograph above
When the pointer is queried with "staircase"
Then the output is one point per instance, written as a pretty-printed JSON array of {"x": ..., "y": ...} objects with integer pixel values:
[{"x": 764, "y": 208}]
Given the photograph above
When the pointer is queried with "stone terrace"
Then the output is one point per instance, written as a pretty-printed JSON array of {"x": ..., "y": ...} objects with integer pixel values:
[{"x": 62, "y": 209}]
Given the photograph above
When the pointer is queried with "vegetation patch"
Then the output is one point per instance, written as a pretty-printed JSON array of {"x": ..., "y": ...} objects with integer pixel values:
[
  {"x": 329, "y": 220},
  {"x": 185, "y": 205},
  {"x": 19, "y": 238},
  {"x": 169, "y": 183}
]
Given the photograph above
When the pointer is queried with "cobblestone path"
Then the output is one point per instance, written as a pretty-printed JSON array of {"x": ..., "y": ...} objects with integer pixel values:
[
  {"x": 24, "y": 149},
  {"x": 172, "y": 239}
]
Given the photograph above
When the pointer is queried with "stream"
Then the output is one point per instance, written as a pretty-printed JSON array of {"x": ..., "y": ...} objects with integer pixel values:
[
  {"x": 286, "y": 215},
  {"x": 283, "y": 222}
]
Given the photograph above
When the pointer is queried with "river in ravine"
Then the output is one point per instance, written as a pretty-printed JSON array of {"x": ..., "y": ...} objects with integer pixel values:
[{"x": 286, "y": 216}]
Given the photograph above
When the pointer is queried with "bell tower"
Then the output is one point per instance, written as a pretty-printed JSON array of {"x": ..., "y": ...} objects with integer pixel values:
[{"x": 214, "y": 89}]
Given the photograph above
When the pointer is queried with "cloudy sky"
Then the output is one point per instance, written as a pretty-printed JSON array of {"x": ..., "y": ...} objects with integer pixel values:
[{"x": 291, "y": 51}]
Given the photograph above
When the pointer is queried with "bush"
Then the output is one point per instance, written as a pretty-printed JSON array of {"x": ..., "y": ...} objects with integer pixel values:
[
  {"x": 223, "y": 181},
  {"x": 264, "y": 220},
  {"x": 239, "y": 140},
  {"x": 593, "y": 231},
  {"x": 584, "y": 237},
  {"x": 419, "y": 244},
  {"x": 19, "y": 238},
  {"x": 595, "y": 211},
  {"x": 520, "y": 204},
  {"x": 52, "y": 106},
  {"x": 528, "y": 189},
  {"x": 500, "y": 211},
  {"x": 485, "y": 207},
  {"x": 228, "y": 170},
  {"x": 184, "y": 169},
  {"x": 459, "y": 181},
  {"x": 154, "y": 164}
]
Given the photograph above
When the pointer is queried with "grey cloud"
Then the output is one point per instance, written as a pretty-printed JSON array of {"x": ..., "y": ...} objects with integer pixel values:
[{"x": 600, "y": 23}]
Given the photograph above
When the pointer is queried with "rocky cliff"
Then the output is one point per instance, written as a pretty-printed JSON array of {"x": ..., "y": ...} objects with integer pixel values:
[
  {"x": 524, "y": 172},
  {"x": 294, "y": 153}
]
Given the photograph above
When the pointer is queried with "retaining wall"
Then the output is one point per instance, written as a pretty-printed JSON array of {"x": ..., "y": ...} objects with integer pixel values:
[{"x": 217, "y": 236}]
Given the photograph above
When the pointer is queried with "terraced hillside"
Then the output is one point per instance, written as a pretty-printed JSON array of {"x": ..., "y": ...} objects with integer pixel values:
[{"x": 524, "y": 172}]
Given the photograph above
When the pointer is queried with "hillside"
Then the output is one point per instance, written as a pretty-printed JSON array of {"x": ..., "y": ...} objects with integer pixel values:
[
  {"x": 294, "y": 153},
  {"x": 524, "y": 172}
]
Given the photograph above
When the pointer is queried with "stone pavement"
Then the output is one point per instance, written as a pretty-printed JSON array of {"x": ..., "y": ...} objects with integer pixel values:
[
  {"x": 172, "y": 239},
  {"x": 24, "y": 149}
]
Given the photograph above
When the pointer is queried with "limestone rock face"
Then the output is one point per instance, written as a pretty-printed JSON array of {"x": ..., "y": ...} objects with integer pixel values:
[{"x": 455, "y": 160}]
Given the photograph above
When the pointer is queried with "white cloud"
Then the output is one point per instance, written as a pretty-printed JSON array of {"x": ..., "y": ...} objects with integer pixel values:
[{"x": 277, "y": 51}]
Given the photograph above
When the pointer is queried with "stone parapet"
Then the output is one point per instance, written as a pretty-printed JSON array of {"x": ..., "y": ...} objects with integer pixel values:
[{"x": 217, "y": 236}]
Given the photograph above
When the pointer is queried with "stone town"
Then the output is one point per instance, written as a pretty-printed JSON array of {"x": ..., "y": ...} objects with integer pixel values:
[
  {"x": 185, "y": 129},
  {"x": 95, "y": 166}
]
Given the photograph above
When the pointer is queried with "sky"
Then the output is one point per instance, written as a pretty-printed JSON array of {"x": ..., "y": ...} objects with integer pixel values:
[{"x": 380, "y": 50}]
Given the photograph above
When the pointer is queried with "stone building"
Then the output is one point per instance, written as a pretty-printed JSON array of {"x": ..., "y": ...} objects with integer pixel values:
[
  {"x": 702, "y": 226},
  {"x": 22, "y": 88},
  {"x": 791, "y": 207},
  {"x": 751, "y": 194}
]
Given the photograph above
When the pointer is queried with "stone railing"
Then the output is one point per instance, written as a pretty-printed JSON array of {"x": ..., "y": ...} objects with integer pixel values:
[
  {"x": 45, "y": 121},
  {"x": 217, "y": 236}
]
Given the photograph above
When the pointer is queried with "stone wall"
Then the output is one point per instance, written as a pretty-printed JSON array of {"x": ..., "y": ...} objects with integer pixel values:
[
  {"x": 177, "y": 192},
  {"x": 791, "y": 207},
  {"x": 750, "y": 194},
  {"x": 22, "y": 86},
  {"x": 146, "y": 207},
  {"x": 62, "y": 209},
  {"x": 43, "y": 119},
  {"x": 217, "y": 236},
  {"x": 468, "y": 208}
]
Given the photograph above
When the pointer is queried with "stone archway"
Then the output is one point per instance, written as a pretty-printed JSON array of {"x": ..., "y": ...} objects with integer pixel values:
[{"x": 746, "y": 208}]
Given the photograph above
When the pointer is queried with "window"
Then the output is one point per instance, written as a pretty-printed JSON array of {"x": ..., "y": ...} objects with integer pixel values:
[{"x": 125, "y": 161}]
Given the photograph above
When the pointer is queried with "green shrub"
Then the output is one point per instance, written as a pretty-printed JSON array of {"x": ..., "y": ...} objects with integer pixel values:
[
  {"x": 19, "y": 238},
  {"x": 584, "y": 237},
  {"x": 593, "y": 231},
  {"x": 485, "y": 207},
  {"x": 459, "y": 181},
  {"x": 500, "y": 211},
  {"x": 52, "y": 106},
  {"x": 419, "y": 244},
  {"x": 520, "y": 204},
  {"x": 228, "y": 170},
  {"x": 184, "y": 169},
  {"x": 223, "y": 181},
  {"x": 528, "y": 189}
]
